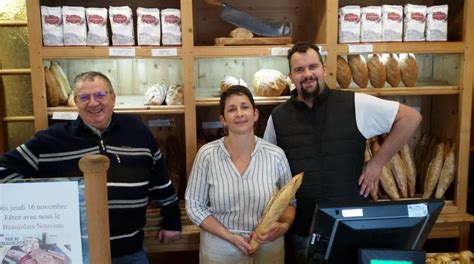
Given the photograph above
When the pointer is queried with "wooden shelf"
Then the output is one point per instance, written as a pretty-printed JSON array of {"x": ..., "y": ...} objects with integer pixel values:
[
  {"x": 243, "y": 51},
  {"x": 409, "y": 47},
  {"x": 152, "y": 110},
  {"x": 418, "y": 90},
  {"x": 103, "y": 52},
  {"x": 259, "y": 100}
]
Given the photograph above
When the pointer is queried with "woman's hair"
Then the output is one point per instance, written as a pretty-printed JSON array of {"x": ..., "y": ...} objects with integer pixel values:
[{"x": 235, "y": 90}]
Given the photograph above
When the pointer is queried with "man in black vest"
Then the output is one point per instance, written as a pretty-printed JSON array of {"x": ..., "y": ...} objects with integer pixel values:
[{"x": 323, "y": 133}]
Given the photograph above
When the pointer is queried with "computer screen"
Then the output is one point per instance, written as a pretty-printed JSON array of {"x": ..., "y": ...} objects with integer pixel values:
[{"x": 340, "y": 229}]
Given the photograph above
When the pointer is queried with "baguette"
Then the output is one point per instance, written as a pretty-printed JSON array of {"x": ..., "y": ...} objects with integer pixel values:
[
  {"x": 63, "y": 82},
  {"x": 276, "y": 206},
  {"x": 52, "y": 88},
  {"x": 446, "y": 175},
  {"x": 386, "y": 179},
  {"x": 400, "y": 174},
  {"x": 407, "y": 157},
  {"x": 367, "y": 157},
  {"x": 433, "y": 171}
]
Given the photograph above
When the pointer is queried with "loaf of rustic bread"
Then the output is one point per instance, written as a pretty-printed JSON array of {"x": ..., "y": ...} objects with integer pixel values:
[
  {"x": 52, "y": 88},
  {"x": 392, "y": 69},
  {"x": 228, "y": 81},
  {"x": 241, "y": 33},
  {"x": 269, "y": 82},
  {"x": 359, "y": 71},
  {"x": 376, "y": 68},
  {"x": 343, "y": 75},
  {"x": 408, "y": 69},
  {"x": 61, "y": 78}
]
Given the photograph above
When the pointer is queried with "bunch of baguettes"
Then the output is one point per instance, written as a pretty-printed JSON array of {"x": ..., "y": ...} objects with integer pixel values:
[
  {"x": 58, "y": 88},
  {"x": 433, "y": 167},
  {"x": 463, "y": 257}
]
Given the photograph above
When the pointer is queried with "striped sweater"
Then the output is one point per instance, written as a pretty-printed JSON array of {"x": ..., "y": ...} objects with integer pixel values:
[{"x": 136, "y": 175}]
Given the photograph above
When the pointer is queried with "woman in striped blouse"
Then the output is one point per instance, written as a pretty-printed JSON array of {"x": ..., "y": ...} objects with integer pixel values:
[{"x": 231, "y": 182}]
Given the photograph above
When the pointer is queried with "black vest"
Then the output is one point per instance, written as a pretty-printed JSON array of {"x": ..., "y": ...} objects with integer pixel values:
[{"x": 325, "y": 144}]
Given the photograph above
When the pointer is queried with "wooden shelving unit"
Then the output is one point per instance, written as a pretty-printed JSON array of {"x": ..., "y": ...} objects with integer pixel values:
[{"x": 314, "y": 20}]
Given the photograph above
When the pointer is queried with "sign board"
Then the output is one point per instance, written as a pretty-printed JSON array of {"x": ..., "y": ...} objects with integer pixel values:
[{"x": 40, "y": 221}]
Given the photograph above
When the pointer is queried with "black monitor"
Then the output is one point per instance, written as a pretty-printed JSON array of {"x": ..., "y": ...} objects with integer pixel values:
[{"x": 340, "y": 229}]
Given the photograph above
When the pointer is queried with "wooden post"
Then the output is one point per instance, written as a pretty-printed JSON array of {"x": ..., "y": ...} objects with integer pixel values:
[{"x": 95, "y": 169}]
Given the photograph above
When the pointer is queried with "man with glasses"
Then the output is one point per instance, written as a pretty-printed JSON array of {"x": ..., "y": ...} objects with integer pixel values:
[{"x": 137, "y": 170}]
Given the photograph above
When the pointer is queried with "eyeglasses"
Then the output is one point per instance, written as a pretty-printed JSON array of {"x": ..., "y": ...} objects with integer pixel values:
[{"x": 99, "y": 96}]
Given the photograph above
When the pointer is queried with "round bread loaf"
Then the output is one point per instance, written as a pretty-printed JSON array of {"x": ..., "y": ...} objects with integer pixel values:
[
  {"x": 408, "y": 69},
  {"x": 155, "y": 94},
  {"x": 241, "y": 33},
  {"x": 228, "y": 81},
  {"x": 359, "y": 71},
  {"x": 175, "y": 95},
  {"x": 376, "y": 68},
  {"x": 344, "y": 75},
  {"x": 392, "y": 69},
  {"x": 269, "y": 82}
]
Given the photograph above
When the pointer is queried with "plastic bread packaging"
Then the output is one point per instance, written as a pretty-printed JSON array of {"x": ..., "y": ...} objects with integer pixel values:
[
  {"x": 277, "y": 205},
  {"x": 344, "y": 76},
  {"x": 377, "y": 73},
  {"x": 359, "y": 70}
]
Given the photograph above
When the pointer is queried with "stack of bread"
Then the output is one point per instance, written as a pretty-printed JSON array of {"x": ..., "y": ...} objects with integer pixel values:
[
  {"x": 377, "y": 69},
  {"x": 58, "y": 89},
  {"x": 431, "y": 169}
]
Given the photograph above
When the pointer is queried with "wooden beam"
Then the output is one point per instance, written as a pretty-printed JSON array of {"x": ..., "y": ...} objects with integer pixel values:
[
  {"x": 13, "y": 23},
  {"x": 15, "y": 71}
]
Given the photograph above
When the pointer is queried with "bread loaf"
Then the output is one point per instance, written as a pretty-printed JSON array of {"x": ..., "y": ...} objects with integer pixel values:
[
  {"x": 376, "y": 68},
  {"x": 63, "y": 82},
  {"x": 268, "y": 82},
  {"x": 52, "y": 88},
  {"x": 386, "y": 178},
  {"x": 367, "y": 157},
  {"x": 446, "y": 176},
  {"x": 155, "y": 94},
  {"x": 343, "y": 72},
  {"x": 277, "y": 205},
  {"x": 392, "y": 69},
  {"x": 407, "y": 157},
  {"x": 241, "y": 33},
  {"x": 433, "y": 171},
  {"x": 359, "y": 71},
  {"x": 70, "y": 100},
  {"x": 175, "y": 95},
  {"x": 408, "y": 69},
  {"x": 228, "y": 81}
]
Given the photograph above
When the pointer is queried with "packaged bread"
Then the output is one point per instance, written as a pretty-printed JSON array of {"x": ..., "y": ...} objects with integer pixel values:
[
  {"x": 376, "y": 70},
  {"x": 359, "y": 71},
  {"x": 241, "y": 33},
  {"x": 343, "y": 72},
  {"x": 269, "y": 82},
  {"x": 408, "y": 69},
  {"x": 52, "y": 88},
  {"x": 276, "y": 206},
  {"x": 63, "y": 81},
  {"x": 228, "y": 81},
  {"x": 392, "y": 69}
]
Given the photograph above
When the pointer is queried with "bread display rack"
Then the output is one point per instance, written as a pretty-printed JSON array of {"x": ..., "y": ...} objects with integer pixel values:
[{"x": 445, "y": 106}]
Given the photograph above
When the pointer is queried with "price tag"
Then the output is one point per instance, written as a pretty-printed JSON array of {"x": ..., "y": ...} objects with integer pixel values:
[
  {"x": 417, "y": 210},
  {"x": 365, "y": 48},
  {"x": 159, "y": 123},
  {"x": 65, "y": 115},
  {"x": 171, "y": 52},
  {"x": 208, "y": 125},
  {"x": 122, "y": 52},
  {"x": 353, "y": 212},
  {"x": 279, "y": 51}
]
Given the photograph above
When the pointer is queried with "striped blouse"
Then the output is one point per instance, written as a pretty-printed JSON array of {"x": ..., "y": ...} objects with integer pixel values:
[{"x": 216, "y": 187}]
